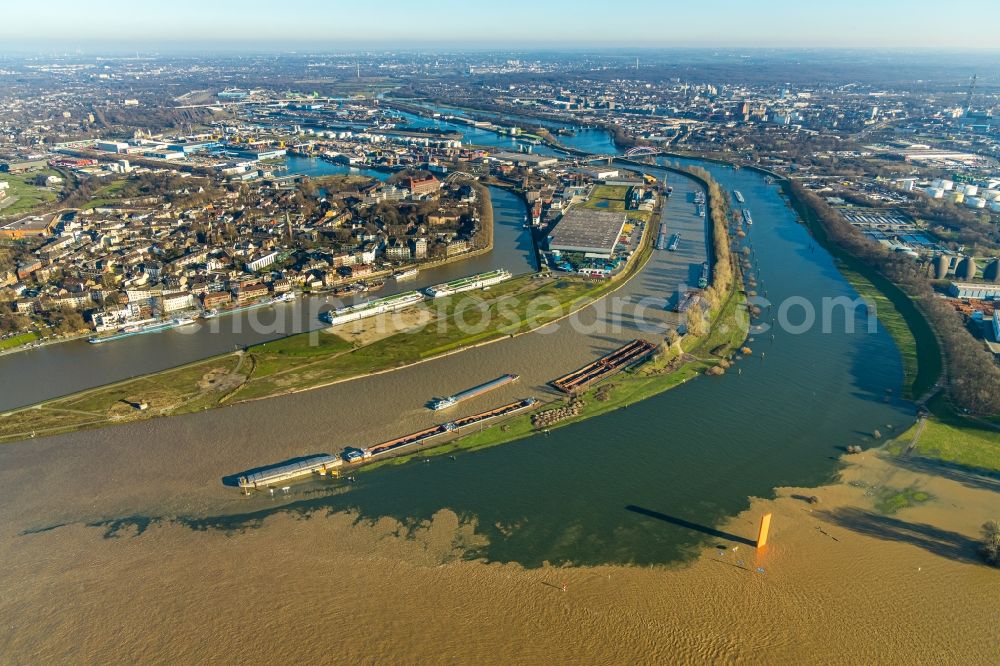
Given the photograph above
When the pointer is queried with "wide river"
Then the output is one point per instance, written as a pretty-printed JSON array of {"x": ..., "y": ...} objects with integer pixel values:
[{"x": 641, "y": 485}]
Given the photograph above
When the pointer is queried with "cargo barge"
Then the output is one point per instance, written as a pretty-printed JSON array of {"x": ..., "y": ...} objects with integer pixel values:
[
  {"x": 452, "y": 400},
  {"x": 468, "y": 283},
  {"x": 704, "y": 277},
  {"x": 313, "y": 464},
  {"x": 634, "y": 352},
  {"x": 661, "y": 239},
  {"x": 142, "y": 330},
  {"x": 746, "y": 216},
  {"x": 675, "y": 241},
  {"x": 354, "y": 455},
  {"x": 372, "y": 308},
  {"x": 739, "y": 196}
]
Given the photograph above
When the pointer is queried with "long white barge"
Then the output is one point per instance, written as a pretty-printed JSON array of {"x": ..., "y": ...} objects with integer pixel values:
[
  {"x": 372, "y": 308},
  {"x": 142, "y": 330},
  {"x": 291, "y": 470},
  {"x": 469, "y": 283},
  {"x": 450, "y": 401}
]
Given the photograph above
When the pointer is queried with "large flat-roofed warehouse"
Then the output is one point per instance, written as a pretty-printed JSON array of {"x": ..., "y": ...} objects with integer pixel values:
[
  {"x": 28, "y": 226},
  {"x": 594, "y": 232}
]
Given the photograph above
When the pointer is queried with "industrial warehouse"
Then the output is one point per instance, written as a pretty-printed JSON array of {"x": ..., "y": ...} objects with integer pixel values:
[{"x": 593, "y": 232}]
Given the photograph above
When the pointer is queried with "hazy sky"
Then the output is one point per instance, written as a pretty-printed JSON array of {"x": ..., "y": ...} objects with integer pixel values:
[{"x": 55, "y": 25}]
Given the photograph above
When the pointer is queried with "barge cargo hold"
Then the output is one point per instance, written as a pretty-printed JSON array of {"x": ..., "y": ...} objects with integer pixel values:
[
  {"x": 703, "y": 278},
  {"x": 452, "y": 400},
  {"x": 634, "y": 352},
  {"x": 143, "y": 330},
  {"x": 372, "y": 308},
  {"x": 661, "y": 239},
  {"x": 427, "y": 434},
  {"x": 304, "y": 467},
  {"x": 468, "y": 283},
  {"x": 746, "y": 216}
]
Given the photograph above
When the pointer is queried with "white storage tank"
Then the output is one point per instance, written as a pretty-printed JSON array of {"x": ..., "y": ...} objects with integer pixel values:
[
  {"x": 971, "y": 190},
  {"x": 975, "y": 202},
  {"x": 935, "y": 192}
]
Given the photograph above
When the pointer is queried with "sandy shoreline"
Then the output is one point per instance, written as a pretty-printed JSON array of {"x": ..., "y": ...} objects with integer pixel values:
[{"x": 840, "y": 584}]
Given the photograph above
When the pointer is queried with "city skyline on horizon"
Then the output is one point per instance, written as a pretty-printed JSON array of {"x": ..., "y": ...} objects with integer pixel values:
[{"x": 258, "y": 26}]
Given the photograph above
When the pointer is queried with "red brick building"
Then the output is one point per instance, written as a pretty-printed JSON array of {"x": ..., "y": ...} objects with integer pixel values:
[{"x": 422, "y": 186}]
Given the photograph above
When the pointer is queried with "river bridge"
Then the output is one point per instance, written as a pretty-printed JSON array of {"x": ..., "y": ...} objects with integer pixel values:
[{"x": 638, "y": 151}]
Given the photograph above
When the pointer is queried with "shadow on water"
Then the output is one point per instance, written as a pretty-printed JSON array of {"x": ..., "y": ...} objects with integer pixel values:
[
  {"x": 934, "y": 540},
  {"x": 688, "y": 525}
]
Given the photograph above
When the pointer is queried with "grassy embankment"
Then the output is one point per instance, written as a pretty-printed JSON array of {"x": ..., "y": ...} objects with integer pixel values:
[
  {"x": 310, "y": 360},
  {"x": 946, "y": 437}
]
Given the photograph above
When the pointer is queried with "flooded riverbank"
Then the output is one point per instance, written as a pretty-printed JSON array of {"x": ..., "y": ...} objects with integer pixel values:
[
  {"x": 623, "y": 511},
  {"x": 837, "y": 579}
]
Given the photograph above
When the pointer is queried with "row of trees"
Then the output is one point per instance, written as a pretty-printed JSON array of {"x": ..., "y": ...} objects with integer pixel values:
[
  {"x": 61, "y": 320},
  {"x": 722, "y": 256},
  {"x": 974, "y": 376}
]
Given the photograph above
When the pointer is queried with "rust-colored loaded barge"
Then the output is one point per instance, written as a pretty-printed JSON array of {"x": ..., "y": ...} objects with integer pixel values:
[
  {"x": 623, "y": 357},
  {"x": 357, "y": 455}
]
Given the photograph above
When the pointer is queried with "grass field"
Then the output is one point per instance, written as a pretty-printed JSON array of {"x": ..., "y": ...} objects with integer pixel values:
[
  {"x": 607, "y": 197},
  {"x": 18, "y": 340},
  {"x": 181, "y": 390},
  {"x": 953, "y": 439},
  {"x": 610, "y": 192},
  {"x": 25, "y": 194},
  {"x": 108, "y": 195}
]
